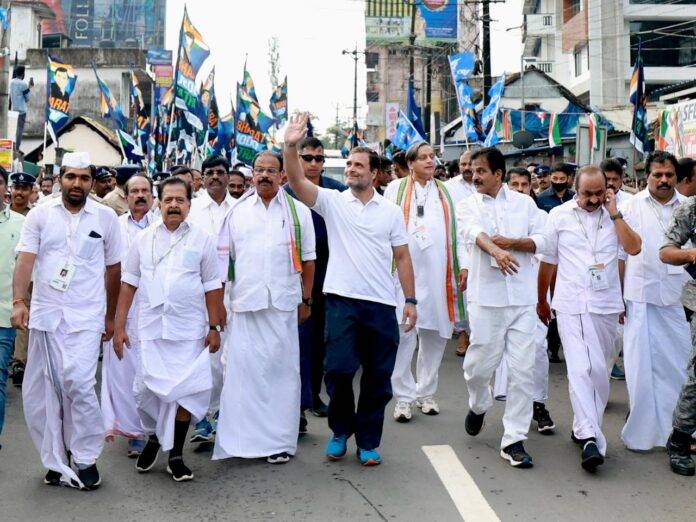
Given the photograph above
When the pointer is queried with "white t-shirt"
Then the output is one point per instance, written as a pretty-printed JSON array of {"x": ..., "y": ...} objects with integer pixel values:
[{"x": 361, "y": 238}]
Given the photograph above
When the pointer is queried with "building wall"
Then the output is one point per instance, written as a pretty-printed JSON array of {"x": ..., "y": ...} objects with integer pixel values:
[
  {"x": 83, "y": 139},
  {"x": 26, "y": 31}
]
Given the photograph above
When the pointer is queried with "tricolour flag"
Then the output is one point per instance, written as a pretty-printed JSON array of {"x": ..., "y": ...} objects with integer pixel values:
[
  {"x": 507, "y": 126},
  {"x": 593, "y": 121},
  {"x": 554, "y": 131},
  {"x": 661, "y": 130},
  {"x": 637, "y": 97}
]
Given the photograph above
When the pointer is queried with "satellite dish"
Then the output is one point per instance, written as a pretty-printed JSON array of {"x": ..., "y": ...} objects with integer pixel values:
[{"x": 523, "y": 139}]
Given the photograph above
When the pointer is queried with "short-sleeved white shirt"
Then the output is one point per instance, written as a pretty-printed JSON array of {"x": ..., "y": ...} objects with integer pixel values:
[
  {"x": 361, "y": 238},
  {"x": 91, "y": 241}
]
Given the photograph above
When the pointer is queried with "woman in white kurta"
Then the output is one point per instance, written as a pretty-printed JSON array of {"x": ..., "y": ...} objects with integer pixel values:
[{"x": 429, "y": 228}]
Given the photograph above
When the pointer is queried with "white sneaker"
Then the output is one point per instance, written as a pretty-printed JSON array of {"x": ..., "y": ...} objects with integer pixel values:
[
  {"x": 428, "y": 406},
  {"x": 402, "y": 411}
]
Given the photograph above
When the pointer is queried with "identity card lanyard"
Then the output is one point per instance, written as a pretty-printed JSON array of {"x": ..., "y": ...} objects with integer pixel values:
[
  {"x": 64, "y": 273},
  {"x": 671, "y": 269},
  {"x": 598, "y": 278},
  {"x": 156, "y": 262},
  {"x": 420, "y": 205}
]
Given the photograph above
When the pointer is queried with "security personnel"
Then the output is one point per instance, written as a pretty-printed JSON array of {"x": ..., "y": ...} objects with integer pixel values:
[
  {"x": 116, "y": 199},
  {"x": 104, "y": 181},
  {"x": 21, "y": 188}
]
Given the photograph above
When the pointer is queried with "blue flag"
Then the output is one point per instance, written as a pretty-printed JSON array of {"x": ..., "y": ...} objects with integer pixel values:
[
  {"x": 406, "y": 133},
  {"x": 109, "y": 106},
  {"x": 490, "y": 113},
  {"x": 279, "y": 103},
  {"x": 637, "y": 97},
  {"x": 462, "y": 67},
  {"x": 413, "y": 111}
]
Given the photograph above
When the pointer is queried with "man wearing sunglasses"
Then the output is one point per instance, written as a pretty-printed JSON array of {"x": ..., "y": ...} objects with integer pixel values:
[{"x": 312, "y": 348}]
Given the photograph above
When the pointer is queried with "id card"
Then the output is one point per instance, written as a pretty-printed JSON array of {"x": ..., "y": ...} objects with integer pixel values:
[
  {"x": 62, "y": 277},
  {"x": 598, "y": 277},
  {"x": 422, "y": 237}
]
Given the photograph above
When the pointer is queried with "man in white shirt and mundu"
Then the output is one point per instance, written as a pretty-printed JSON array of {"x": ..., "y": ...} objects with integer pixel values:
[
  {"x": 503, "y": 229},
  {"x": 173, "y": 265},
  {"x": 268, "y": 238},
  {"x": 365, "y": 233},
  {"x": 585, "y": 237},
  {"x": 73, "y": 247},
  {"x": 657, "y": 339}
]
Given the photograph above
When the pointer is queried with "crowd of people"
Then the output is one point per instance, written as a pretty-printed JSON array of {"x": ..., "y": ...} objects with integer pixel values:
[{"x": 224, "y": 298}]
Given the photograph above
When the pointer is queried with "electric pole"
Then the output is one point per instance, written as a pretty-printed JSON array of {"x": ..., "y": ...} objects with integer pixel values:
[
  {"x": 486, "y": 11},
  {"x": 4, "y": 76},
  {"x": 354, "y": 53}
]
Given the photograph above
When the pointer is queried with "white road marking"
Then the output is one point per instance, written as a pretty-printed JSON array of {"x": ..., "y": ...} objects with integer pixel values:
[{"x": 465, "y": 494}]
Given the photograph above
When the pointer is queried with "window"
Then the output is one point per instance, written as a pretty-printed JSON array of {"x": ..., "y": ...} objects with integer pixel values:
[
  {"x": 677, "y": 49},
  {"x": 547, "y": 20},
  {"x": 577, "y": 58},
  {"x": 545, "y": 67},
  {"x": 371, "y": 60},
  {"x": 573, "y": 8},
  {"x": 372, "y": 96}
]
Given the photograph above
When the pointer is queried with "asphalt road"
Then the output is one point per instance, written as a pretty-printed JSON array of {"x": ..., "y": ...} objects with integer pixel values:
[{"x": 455, "y": 476}]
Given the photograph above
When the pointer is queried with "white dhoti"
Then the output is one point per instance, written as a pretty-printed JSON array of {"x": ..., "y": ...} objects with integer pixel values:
[
  {"x": 431, "y": 347},
  {"x": 218, "y": 362},
  {"x": 540, "y": 390},
  {"x": 60, "y": 401},
  {"x": 119, "y": 409},
  {"x": 499, "y": 332},
  {"x": 657, "y": 346},
  {"x": 172, "y": 374},
  {"x": 588, "y": 344},
  {"x": 260, "y": 402}
]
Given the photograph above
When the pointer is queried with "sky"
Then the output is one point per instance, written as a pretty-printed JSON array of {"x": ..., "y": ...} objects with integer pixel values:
[{"x": 311, "y": 36}]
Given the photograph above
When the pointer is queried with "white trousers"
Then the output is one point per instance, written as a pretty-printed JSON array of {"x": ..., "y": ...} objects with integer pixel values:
[
  {"x": 588, "y": 344},
  {"x": 118, "y": 405},
  {"x": 60, "y": 401},
  {"x": 260, "y": 402},
  {"x": 431, "y": 347},
  {"x": 498, "y": 332},
  {"x": 540, "y": 390},
  {"x": 217, "y": 372},
  {"x": 172, "y": 374},
  {"x": 657, "y": 346}
]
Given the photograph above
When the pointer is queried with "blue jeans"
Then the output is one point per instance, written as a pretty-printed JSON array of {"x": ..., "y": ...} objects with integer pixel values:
[{"x": 7, "y": 336}]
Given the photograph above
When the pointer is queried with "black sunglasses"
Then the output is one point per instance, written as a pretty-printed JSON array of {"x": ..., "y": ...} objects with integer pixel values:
[{"x": 319, "y": 158}]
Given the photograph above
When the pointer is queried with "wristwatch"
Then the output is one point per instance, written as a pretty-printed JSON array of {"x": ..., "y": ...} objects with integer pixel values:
[
  {"x": 216, "y": 327},
  {"x": 616, "y": 216},
  {"x": 412, "y": 300},
  {"x": 307, "y": 301}
]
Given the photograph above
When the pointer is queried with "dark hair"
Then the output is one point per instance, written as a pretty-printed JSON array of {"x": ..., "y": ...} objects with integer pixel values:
[
  {"x": 384, "y": 163},
  {"x": 661, "y": 156},
  {"x": 374, "y": 157},
  {"x": 18, "y": 72},
  {"x": 588, "y": 169},
  {"x": 495, "y": 158},
  {"x": 685, "y": 170},
  {"x": 400, "y": 159},
  {"x": 453, "y": 167},
  {"x": 3, "y": 174},
  {"x": 532, "y": 164},
  {"x": 563, "y": 167},
  {"x": 216, "y": 161},
  {"x": 267, "y": 153},
  {"x": 142, "y": 176},
  {"x": 412, "y": 152},
  {"x": 182, "y": 170},
  {"x": 611, "y": 165},
  {"x": 237, "y": 173},
  {"x": 310, "y": 141},
  {"x": 518, "y": 171},
  {"x": 174, "y": 181}
]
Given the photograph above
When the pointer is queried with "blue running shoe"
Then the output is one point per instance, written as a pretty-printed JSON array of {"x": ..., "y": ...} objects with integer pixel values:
[
  {"x": 336, "y": 447},
  {"x": 202, "y": 432},
  {"x": 369, "y": 457},
  {"x": 213, "y": 423},
  {"x": 135, "y": 448},
  {"x": 617, "y": 374}
]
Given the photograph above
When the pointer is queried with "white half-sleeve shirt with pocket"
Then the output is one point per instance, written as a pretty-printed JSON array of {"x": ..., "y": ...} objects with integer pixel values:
[{"x": 89, "y": 241}]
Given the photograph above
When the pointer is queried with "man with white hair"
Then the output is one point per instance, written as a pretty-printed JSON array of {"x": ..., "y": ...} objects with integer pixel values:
[{"x": 72, "y": 245}]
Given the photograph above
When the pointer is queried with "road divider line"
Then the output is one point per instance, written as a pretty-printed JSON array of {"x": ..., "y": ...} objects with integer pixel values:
[{"x": 465, "y": 494}]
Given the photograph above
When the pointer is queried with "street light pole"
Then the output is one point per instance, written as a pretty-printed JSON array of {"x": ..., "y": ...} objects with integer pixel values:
[{"x": 354, "y": 53}]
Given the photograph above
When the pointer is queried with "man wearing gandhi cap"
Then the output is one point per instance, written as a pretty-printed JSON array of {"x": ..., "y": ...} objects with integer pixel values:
[{"x": 70, "y": 244}]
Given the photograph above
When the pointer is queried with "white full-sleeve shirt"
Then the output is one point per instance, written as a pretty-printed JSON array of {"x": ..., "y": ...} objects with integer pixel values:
[
  {"x": 207, "y": 214},
  {"x": 570, "y": 245},
  {"x": 509, "y": 214},
  {"x": 647, "y": 279},
  {"x": 459, "y": 188},
  {"x": 130, "y": 228},
  {"x": 259, "y": 244},
  {"x": 89, "y": 241},
  {"x": 172, "y": 271}
]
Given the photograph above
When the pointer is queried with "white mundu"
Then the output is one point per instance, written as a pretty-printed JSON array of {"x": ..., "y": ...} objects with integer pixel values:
[
  {"x": 65, "y": 327},
  {"x": 207, "y": 214},
  {"x": 260, "y": 401},
  {"x": 587, "y": 300},
  {"x": 657, "y": 339},
  {"x": 172, "y": 272},
  {"x": 429, "y": 242},
  {"x": 117, "y": 399},
  {"x": 502, "y": 309}
]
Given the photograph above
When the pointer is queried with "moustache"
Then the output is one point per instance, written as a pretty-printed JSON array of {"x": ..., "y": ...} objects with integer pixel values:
[
  {"x": 174, "y": 211},
  {"x": 663, "y": 185},
  {"x": 140, "y": 200},
  {"x": 264, "y": 180}
]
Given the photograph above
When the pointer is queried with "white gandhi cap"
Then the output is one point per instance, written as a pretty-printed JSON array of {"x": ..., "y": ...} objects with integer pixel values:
[{"x": 77, "y": 160}]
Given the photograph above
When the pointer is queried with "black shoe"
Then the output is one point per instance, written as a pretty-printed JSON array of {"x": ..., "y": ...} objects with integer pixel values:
[
  {"x": 52, "y": 478},
  {"x": 303, "y": 423},
  {"x": 319, "y": 409},
  {"x": 554, "y": 357},
  {"x": 89, "y": 477},
  {"x": 278, "y": 458},
  {"x": 591, "y": 457},
  {"x": 473, "y": 423},
  {"x": 516, "y": 455},
  {"x": 17, "y": 373},
  {"x": 178, "y": 470},
  {"x": 148, "y": 457},
  {"x": 543, "y": 419},
  {"x": 679, "y": 449}
]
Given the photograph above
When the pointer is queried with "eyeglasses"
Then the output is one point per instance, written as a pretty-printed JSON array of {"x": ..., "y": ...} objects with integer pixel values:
[
  {"x": 262, "y": 170},
  {"x": 209, "y": 173},
  {"x": 319, "y": 158}
]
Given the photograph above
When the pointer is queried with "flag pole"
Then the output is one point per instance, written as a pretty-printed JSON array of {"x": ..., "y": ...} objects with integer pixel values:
[{"x": 45, "y": 137}]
